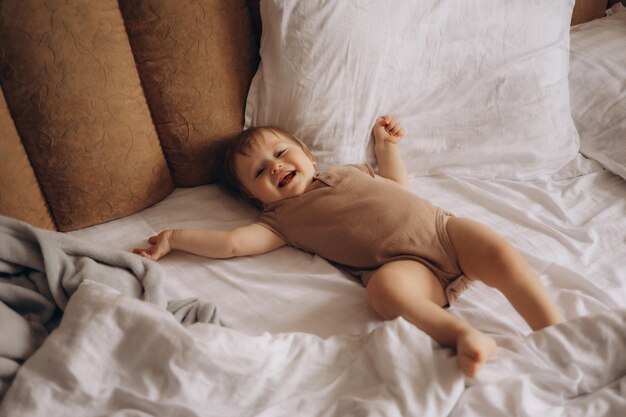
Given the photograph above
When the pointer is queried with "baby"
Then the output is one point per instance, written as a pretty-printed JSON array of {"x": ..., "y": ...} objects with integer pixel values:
[{"x": 412, "y": 257}]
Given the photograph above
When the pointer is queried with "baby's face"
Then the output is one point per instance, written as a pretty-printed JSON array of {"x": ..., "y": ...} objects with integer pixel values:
[{"x": 274, "y": 168}]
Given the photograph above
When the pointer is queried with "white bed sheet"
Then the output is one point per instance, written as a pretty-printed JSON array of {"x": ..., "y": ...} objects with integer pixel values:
[
  {"x": 572, "y": 229},
  {"x": 118, "y": 356}
]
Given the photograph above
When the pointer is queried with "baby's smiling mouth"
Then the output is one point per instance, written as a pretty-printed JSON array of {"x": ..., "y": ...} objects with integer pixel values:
[{"x": 286, "y": 179}]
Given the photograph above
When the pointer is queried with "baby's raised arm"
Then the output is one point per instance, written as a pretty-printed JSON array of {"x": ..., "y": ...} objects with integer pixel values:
[
  {"x": 252, "y": 239},
  {"x": 387, "y": 134}
]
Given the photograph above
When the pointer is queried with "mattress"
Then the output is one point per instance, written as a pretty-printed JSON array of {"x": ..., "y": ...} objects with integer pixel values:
[
  {"x": 304, "y": 336},
  {"x": 571, "y": 228}
]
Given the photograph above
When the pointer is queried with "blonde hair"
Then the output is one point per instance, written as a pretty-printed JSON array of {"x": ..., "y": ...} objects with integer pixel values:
[{"x": 239, "y": 145}]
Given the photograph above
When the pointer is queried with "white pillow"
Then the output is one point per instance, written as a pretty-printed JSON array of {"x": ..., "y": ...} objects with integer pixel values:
[
  {"x": 480, "y": 86},
  {"x": 598, "y": 88}
]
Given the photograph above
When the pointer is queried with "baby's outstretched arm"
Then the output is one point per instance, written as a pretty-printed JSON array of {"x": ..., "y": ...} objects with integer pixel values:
[
  {"x": 387, "y": 134},
  {"x": 252, "y": 239}
]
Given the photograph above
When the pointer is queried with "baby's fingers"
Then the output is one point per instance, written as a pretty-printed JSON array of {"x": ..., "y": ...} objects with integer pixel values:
[
  {"x": 391, "y": 125},
  {"x": 397, "y": 130},
  {"x": 150, "y": 253},
  {"x": 140, "y": 252},
  {"x": 394, "y": 128}
]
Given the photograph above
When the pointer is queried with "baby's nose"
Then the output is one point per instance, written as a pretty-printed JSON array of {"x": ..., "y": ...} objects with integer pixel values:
[{"x": 276, "y": 166}]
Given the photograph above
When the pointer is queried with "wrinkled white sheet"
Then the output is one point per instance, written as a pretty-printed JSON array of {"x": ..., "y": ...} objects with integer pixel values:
[
  {"x": 597, "y": 81},
  {"x": 112, "y": 353},
  {"x": 577, "y": 368},
  {"x": 572, "y": 229}
]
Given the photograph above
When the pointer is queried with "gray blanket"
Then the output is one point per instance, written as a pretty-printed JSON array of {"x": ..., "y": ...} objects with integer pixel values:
[{"x": 40, "y": 270}]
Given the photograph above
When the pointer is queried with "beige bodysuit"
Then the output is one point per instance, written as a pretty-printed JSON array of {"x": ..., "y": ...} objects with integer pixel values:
[{"x": 360, "y": 223}]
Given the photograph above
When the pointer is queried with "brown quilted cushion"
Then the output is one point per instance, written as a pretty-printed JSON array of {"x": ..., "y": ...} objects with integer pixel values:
[
  {"x": 20, "y": 195},
  {"x": 72, "y": 87},
  {"x": 196, "y": 63},
  {"x": 586, "y": 10}
]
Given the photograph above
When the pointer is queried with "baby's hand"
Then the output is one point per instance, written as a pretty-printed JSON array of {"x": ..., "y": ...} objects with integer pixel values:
[
  {"x": 160, "y": 246},
  {"x": 386, "y": 129}
]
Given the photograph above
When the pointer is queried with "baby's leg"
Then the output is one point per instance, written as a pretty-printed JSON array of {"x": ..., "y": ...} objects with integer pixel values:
[
  {"x": 485, "y": 256},
  {"x": 410, "y": 290}
]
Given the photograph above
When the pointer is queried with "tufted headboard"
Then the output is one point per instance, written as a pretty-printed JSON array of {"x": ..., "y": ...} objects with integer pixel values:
[{"x": 106, "y": 106}]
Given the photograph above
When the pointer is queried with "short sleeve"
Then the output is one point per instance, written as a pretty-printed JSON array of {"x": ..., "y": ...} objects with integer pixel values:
[
  {"x": 366, "y": 168},
  {"x": 269, "y": 220}
]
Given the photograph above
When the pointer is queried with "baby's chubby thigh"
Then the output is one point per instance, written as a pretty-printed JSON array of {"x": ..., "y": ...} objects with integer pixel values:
[{"x": 399, "y": 286}]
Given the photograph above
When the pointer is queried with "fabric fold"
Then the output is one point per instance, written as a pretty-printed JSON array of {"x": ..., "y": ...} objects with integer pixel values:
[{"x": 41, "y": 269}]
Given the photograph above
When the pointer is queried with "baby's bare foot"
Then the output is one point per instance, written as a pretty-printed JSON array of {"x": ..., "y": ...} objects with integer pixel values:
[{"x": 474, "y": 349}]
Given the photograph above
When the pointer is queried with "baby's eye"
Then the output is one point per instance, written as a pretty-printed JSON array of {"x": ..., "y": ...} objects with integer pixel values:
[
  {"x": 280, "y": 153},
  {"x": 258, "y": 173}
]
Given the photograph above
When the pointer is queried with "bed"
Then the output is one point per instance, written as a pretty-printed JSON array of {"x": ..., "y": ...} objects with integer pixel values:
[{"x": 533, "y": 148}]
